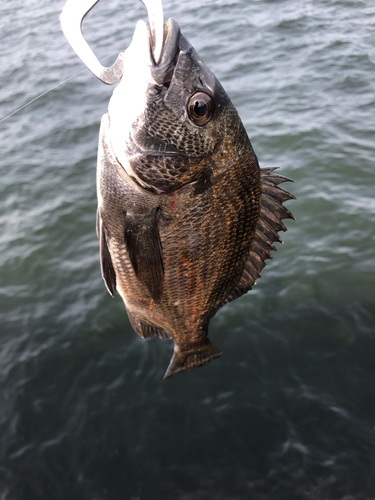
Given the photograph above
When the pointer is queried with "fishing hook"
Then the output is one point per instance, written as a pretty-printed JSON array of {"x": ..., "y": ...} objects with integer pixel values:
[{"x": 71, "y": 23}]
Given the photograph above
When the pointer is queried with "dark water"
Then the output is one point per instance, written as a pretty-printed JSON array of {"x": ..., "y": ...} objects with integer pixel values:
[{"x": 289, "y": 411}]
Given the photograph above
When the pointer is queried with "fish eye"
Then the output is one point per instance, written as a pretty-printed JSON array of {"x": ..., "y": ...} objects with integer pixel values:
[{"x": 200, "y": 108}]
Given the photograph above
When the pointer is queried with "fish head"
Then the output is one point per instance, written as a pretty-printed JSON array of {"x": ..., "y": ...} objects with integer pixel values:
[{"x": 167, "y": 119}]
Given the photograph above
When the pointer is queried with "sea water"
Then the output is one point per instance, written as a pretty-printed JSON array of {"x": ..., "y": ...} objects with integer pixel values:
[{"x": 288, "y": 412}]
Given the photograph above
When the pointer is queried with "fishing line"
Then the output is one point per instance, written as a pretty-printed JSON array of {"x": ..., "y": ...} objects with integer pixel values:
[{"x": 53, "y": 88}]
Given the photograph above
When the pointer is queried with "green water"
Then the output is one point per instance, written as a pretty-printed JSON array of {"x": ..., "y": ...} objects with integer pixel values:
[{"x": 288, "y": 412}]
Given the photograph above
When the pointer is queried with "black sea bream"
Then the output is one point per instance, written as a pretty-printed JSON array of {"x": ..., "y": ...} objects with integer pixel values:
[{"x": 186, "y": 218}]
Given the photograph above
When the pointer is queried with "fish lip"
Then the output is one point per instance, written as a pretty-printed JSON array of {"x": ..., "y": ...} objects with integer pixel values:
[{"x": 162, "y": 72}]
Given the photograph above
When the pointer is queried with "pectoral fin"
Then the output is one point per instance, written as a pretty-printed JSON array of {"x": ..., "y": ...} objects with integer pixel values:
[
  {"x": 142, "y": 240},
  {"x": 108, "y": 271}
]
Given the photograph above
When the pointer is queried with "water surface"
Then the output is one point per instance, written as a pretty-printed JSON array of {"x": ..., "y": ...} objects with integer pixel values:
[{"x": 289, "y": 411}]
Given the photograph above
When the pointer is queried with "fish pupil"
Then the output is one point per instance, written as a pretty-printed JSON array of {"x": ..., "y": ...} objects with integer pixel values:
[{"x": 200, "y": 108}]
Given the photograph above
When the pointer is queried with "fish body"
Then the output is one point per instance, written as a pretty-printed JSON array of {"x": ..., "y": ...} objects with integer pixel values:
[{"x": 186, "y": 218}]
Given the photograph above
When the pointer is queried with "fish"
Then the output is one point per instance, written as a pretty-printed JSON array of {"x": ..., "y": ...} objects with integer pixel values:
[{"x": 186, "y": 217}]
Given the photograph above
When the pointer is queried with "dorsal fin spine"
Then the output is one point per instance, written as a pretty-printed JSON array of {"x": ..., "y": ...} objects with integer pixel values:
[
  {"x": 268, "y": 231},
  {"x": 271, "y": 213},
  {"x": 277, "y": 192},
  {"x": 272, "y": 220},
  {"x": 264, "y": 241},
  {"x": 271, "y": 203}
]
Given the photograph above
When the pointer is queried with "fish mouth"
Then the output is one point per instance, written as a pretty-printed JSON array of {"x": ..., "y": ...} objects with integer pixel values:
[
  {"x": 147, "y": 81},
  {"x": 162, "y": 71}
]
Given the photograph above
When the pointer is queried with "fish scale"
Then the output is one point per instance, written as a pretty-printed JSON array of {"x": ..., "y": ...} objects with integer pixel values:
[{"x": 186, "y": 217}]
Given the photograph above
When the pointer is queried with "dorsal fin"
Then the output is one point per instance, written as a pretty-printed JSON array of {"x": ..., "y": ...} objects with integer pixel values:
[{"x": 272, "y": 211}]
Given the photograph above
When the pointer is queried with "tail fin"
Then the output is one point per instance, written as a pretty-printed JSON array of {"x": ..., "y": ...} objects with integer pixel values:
[{"x": 185, "y": 359}]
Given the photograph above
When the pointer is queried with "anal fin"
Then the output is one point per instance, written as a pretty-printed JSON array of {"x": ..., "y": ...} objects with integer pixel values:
[
  {"x": 143, "y": 243},
  {"x": 184, "y": 359},
  {"x": 146, "y": 330}
]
